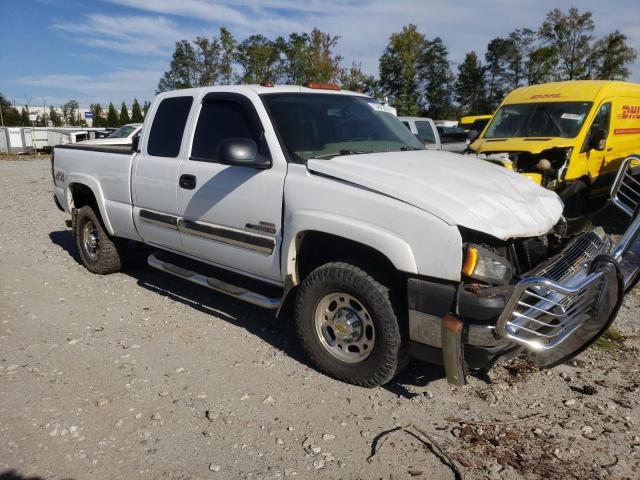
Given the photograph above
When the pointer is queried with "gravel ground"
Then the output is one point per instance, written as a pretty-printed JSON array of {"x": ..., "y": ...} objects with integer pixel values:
[{"x": 140, "y": 375}]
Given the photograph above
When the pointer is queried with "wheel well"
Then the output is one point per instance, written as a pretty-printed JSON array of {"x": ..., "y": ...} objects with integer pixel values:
[
  {"x": 83, "y": 195},
  {"x": 318, "y": 248}
]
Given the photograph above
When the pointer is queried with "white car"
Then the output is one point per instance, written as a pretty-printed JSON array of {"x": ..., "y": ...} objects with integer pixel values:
[
  {"x": 318, "y": 199},
  {"x": 122, "y": 136}
]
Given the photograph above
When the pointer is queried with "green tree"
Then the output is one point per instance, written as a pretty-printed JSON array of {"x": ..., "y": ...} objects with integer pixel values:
[
  {"x": 324, "y": 64},
  {"x": 136, "y": 113},
  {"x": 470, "y": 86},
  {"x": 541, "y": 65},
  {"x": 258, "y": 58},
  {"x": 400, "y": 70},
  {"x": 295, "y": 67},
  {"x": 207, "y": 61},
  {"x": 192, "y": 65},
  {"x": 435, "y": 69},
  {"x": 96, "y": 113},
  {"x": 228, "y": 46},
  {"x": 124, "y": 114},
  {"x": 570, "y": 36},
  {"x": 146, "y": 107},
  {"x": 112, "y": 117},
  {"x": 354, "y": 79},
  {"x": 24, "y": 117},
  {"x": 610, "y": 57},
  {"x": 56, "y": 120},
  {"x": 521, "y": 44},
  {"x": 10, "y": 116},
  {"x": 497, "y": 64},
  {"x": 42, "y": 120},
  {"x": 70, "y": 113}
]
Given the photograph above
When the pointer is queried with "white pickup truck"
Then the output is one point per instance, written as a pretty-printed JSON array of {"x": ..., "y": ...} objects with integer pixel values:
[
  {"x": 319, "y": 199},
  {"x": 437, "y": 137}
]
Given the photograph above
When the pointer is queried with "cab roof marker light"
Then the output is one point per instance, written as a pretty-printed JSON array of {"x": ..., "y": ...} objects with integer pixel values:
[{"x": 322, "y": 86}]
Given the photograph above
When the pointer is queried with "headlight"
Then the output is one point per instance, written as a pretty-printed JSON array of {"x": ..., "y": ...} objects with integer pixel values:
[{"x": 484, "y": 265}]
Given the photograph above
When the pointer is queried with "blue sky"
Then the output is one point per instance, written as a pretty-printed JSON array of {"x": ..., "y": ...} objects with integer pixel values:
[{"x": 102, "y": 50}]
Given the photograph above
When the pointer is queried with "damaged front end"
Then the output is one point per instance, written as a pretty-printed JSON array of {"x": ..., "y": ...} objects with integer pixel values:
[
  {"x": 546, "y": 168},
  {"x": 561, "y": 296}
]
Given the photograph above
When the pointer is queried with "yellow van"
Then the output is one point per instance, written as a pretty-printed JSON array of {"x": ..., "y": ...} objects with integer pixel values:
[
  {"x": 474, "y": 122},
  {"x": 567, "y": 136}
]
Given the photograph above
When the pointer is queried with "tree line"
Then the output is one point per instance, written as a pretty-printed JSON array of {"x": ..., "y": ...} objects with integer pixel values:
[
  {"x": 415, "y": 72},
  {"x": 71, "y": 116}
]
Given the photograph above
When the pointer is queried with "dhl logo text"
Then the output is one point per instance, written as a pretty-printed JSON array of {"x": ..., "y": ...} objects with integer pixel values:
[{"x": 630, "y": 112}]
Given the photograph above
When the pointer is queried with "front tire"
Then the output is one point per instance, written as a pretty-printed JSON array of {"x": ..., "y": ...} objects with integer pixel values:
[
  {"x": 98, "y": 251},
  {"x": 347, "y": 325}
]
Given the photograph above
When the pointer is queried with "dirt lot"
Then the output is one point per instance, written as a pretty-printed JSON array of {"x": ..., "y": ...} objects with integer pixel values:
[{"x": 140, "y": 375}]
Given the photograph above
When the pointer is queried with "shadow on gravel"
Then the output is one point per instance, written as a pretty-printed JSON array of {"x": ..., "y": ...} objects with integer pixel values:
[
  {"x": 260, "y": 322},
  {"x": 13, "y": 475},
  {"x": 280, "y": 333}
]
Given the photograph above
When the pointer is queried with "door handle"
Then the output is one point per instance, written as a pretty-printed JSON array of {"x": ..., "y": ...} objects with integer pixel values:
[{"x": 188, "y": 182}]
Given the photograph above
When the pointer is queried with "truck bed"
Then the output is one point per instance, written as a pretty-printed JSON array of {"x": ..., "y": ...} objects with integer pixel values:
[{"x": 106, "y": 169}]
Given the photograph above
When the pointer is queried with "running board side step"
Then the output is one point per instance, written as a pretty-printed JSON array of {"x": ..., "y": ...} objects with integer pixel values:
[{"x": 214, "y": 284}]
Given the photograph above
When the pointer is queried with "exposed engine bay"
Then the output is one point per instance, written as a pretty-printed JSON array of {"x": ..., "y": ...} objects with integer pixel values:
[{"x": 551, "y": 164}]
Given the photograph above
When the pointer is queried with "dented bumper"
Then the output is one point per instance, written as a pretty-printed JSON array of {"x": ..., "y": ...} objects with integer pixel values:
[{"x": 553, "y": 313}]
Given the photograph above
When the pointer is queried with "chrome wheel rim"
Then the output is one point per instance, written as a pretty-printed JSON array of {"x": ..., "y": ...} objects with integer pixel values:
[
  {"x": 91, "y": 240},
  {"x": 344, "y": 327}
]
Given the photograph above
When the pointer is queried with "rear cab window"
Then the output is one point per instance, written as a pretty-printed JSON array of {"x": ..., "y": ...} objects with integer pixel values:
[{"x": 169, "y": 122}]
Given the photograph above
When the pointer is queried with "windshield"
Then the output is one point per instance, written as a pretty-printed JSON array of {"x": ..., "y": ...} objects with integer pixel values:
[
  {"x": 123, "y": 132},
  {"x": 551, "y": 119},
  {"x": 314, "y": 125}
]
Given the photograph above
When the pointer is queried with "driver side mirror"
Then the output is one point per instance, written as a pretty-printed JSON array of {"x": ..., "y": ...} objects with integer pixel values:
[
  {"x": 242, "y": 152},
  {"x": 135, "y": 141},
  {"x": 598, "y": 139}
]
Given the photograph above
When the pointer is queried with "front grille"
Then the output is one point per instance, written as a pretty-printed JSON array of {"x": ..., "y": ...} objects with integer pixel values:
[
  {"x": 541, "y": 313},
  {"x": 574, "y": 257}
]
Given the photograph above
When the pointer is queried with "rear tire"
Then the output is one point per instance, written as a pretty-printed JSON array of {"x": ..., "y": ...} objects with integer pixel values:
[
  {"x": 99, "y": 252},
  {"x": 347, "y": 325}
]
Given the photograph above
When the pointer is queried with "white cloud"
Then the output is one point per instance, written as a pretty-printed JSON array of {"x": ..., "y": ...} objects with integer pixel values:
[
  {"x": 114, "y": 86},
  {"x": 130, "y": 34},
  {"x": 365, "y": 25}
]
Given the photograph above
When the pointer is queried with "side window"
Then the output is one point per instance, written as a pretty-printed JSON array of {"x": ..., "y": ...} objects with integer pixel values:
[
  {"x": 168, "y": 126},
  {"x": 603, "y": 118},
  {"x": 406, "y": 124},
  {"x": 221, "y": 119},
  {"x": 425, "y": 132},
  {"x": 599, "y": 130}
]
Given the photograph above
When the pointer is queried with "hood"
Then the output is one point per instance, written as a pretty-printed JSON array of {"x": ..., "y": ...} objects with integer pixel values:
[
  {"x": 531, "y": 145},
  {"x": 459, "y": 189}
]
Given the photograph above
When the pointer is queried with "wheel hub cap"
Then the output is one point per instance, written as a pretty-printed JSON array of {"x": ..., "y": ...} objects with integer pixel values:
[
  {"x": 91, "y": 240},
  {"x": 344, "y": 327}
]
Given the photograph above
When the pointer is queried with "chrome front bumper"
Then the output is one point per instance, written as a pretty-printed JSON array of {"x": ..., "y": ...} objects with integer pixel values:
[{"x": 567, "y": 304}]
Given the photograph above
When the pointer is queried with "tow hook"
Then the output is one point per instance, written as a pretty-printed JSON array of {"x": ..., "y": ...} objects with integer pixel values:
[{"x": 453, "y": 350}]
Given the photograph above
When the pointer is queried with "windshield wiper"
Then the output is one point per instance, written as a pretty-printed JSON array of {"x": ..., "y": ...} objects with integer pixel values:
[
  {"x": 341, "y": 153},
  {"x": 409, "y": 149}
]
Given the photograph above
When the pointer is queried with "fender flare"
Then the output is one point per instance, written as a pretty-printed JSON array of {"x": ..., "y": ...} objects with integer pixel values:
[
  {"x": 94, "y": 186},
  {"x": 387, "y": 243}
]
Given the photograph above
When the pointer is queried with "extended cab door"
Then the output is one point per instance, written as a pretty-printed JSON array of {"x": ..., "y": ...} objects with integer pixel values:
[
  {"x": 156, "y": 170},
  {"x": 232, "y": 215}
]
